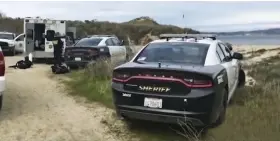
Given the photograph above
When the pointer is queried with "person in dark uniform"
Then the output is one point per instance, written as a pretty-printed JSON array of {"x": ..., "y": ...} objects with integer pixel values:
[{"x": 58, "y": 48}]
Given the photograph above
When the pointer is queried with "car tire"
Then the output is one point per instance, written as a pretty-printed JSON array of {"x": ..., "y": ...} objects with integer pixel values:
[
  {"x": 13, "y": 52},
  {"x": 241, "y": 78},
  {"x": 222, "y": 115},
  {"x": 1, "y": 102}
]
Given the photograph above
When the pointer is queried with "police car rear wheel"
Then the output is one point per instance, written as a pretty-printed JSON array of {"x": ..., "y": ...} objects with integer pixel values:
[
  {"x": 222, "y": 115},
  {"x": 241, "y": 78}
]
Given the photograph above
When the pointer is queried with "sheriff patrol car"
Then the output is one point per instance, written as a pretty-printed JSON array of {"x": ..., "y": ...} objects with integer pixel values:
[{"x": 185, "y": 77}]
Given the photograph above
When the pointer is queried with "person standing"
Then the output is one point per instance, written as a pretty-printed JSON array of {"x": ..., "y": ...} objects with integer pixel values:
[{"x": 58, "y": 48}]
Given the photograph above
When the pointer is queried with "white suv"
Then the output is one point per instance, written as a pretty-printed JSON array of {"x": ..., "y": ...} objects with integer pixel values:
[{"x": 10, "y": 43}]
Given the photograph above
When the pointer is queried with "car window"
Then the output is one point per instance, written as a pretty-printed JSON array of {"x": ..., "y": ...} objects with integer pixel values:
[
  {"x": 116, "y": 41},
  {"x": 109, "y": 42},
  {"x": 226, "y": 52},
  {"x": 220, "y": 53},
  {"x": 7, "y": 36},
  {"x": 227, "y": 46},
  {"x": 20, "y": 38},
  {"x": 174, "y": 52},
  {"x": 89, "y": 42},
  {"x": 29, "y": 34}
]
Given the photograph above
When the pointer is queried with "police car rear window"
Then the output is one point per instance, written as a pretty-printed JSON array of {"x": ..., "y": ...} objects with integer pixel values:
[
  {"x": 88, "y": 42},
  {"x": 176, "y": 52}
]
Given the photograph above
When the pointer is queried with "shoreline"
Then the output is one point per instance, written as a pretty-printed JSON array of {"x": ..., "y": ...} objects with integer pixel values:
[
  {"x": 237, "y": 48},
  {"x": 253, "y": 48}
]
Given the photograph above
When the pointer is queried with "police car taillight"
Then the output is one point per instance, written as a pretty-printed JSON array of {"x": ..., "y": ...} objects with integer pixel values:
[
  {"x": 120, "y": 77},
  {"x": 196, "y": 83}
]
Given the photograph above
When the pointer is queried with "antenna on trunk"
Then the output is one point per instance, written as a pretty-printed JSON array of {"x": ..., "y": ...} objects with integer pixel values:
[{"x": 159, "y": 65}]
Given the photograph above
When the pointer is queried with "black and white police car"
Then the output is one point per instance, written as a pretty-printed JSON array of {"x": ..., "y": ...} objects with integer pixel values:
[
  {"x": 95, "y": 47},
  {"x": 180, "y": 77}
]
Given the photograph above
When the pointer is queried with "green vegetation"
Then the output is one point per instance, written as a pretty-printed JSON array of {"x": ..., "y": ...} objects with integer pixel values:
[
  {"x": 253, "y": 114},
  {"x": 143, "y": 21},
  {"x": 93, "y": 83},
  {"x": 134, "y": 29},
  {"x": 255, "y": 111}
]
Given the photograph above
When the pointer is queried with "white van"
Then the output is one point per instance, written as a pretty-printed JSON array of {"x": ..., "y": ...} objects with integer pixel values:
[{"x": 34, "y": 40}]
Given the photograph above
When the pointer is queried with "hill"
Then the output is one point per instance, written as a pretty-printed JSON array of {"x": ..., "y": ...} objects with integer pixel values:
[
  {"x": 143, "y": 21},
  {"x": 134, "y": 29}
]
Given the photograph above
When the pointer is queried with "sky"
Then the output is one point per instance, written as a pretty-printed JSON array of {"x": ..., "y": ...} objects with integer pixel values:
[{"x": 203, "y": 16}]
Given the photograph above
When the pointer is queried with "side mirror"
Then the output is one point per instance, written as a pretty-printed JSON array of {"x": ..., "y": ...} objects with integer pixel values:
[
  {"x": 238, "y": 56},
  {"x": 50, "y": 35},
  {"x": 229, "y": 46},
  {"x": 122, "y": 42}
]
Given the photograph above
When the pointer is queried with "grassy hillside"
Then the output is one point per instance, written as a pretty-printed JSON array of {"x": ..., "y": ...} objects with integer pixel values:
[
  {"x": 143, "y": 21},
  {"x": 134, "y": 29}
]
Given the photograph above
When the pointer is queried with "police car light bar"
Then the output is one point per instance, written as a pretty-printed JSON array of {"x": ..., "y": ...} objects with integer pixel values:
[
  {"x": 196, "y": 36},
  {"x": 102, "y": 35}
]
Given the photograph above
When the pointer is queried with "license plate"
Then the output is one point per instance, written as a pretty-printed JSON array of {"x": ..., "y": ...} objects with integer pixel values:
[
  {"x": 78, "y": 58},
  {"x": 153, "y": 102}
]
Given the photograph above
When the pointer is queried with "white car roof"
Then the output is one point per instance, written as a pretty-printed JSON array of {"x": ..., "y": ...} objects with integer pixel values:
[
  {"x": 6, "y": 33},
  {"x": 103, "y": 38}
]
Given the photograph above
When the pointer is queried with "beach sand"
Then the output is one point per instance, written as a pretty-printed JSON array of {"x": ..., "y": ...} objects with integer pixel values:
[
  {"x": 254, "y": 54},
  {"x": 252, "y": 48}
]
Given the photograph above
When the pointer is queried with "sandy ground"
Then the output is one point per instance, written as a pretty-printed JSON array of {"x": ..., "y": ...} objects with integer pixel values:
[
  {"x": 36, "y": 108},
  {"x": 250, "y": 48},
  {"x": 248, "y": 51}
]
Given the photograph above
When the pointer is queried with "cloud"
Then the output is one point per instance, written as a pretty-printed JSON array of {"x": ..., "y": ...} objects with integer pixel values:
[{"x": 207, "y": 16}]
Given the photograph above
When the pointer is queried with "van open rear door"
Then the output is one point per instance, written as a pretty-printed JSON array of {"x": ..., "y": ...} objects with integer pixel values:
[
  {"x": 71, "y": 31},
  {"x": 29, "y": 38}
]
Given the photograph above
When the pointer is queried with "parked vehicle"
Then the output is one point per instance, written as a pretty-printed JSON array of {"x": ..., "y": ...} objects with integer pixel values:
[
  {"x": 93, "y": 48},
  {"x": 10, "y": 43},
  {"x": 34, "y": 31},
  {"x": 191, "y": 79}
]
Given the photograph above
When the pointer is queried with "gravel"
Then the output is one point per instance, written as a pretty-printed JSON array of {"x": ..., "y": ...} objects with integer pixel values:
[{"x": 37, "y": 107}]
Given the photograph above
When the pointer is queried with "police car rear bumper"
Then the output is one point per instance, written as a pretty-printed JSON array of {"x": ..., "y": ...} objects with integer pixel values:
[{"x": 78, "y": 63}]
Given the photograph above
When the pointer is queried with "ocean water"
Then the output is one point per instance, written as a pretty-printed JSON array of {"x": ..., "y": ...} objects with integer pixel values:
[{"x": 252, "y": 39}]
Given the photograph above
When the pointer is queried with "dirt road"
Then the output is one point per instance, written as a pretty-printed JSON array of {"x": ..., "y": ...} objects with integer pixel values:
[{"x": 37, "y": 108}]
